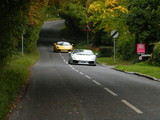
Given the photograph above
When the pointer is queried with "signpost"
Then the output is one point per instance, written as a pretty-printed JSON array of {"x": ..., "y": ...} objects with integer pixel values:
[
  {"x": 114, "y": 34},
  {"x": 87, "y": 28},
  {"x": 22, "y": 45},
  {"x": 23, "y": 42}
]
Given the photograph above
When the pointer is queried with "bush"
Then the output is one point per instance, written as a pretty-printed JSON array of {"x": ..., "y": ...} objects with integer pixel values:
[
  {"x": 126, "y": 48},
  {"x": 105, "y": 51},
  {"x": 156, "y": 54}
]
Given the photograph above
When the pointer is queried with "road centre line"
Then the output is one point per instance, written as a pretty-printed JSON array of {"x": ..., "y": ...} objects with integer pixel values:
[
  {"x": 70, "y": 65},
  {"x": 88, "y": 77},
  {"x": 132, "y": 107},
  {"x": 111, "y": 92},
  {"x": 81, "y": 73},
  {"x": 64, "y": 60},
  {"x": 96, "y": 82},
  {"x": 108, "y": 90},
  {"x": 76, "y": 70},
  {"x": 73, "y": 68}
]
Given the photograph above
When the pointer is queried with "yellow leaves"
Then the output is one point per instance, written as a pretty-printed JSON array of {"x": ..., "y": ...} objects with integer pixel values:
[
  {"x": 110, "y": 6},
  {"x": 35, "y": 12},
  {"x": 107, "y": 12},
  {"x": 111, "y": 3},
  {"x": 122, "y": 9},
  {"x": 95, "y": 7}
]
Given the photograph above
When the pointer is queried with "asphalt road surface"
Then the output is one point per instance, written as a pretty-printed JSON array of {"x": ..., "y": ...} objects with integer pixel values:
[{"x": 59, "y": 91}]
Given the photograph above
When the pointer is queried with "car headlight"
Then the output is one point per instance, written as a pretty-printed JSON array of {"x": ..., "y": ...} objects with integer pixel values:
[
  {"x": 73, "y": 57},
  {"x": 93, "y": 58}
]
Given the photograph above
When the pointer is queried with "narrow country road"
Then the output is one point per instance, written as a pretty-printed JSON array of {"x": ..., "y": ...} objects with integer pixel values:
[{"x": 59, "y": 91}]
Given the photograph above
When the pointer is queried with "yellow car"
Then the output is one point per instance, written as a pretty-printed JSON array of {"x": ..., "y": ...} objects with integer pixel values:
[{"x": 62, "y": 46}]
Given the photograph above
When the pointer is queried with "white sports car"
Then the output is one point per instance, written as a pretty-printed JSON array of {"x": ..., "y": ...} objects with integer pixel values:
[{"x": 82, "y": 56}]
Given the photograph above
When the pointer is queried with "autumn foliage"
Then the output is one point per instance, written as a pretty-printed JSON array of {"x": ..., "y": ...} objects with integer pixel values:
[{"x": 20, "y": 17}]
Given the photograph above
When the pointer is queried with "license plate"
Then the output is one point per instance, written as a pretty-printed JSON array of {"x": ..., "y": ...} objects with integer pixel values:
[
  {"x": 83, "y": 62},
  {"x": 64, "y": 51}
]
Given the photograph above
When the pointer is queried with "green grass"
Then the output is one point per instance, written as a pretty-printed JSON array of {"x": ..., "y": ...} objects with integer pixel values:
[
  {"x": 12, "y": 78},
  {"x": 142, "y": 67},
  {"x": 55, "y": 18},
  {"x": 110, "y": 61}
]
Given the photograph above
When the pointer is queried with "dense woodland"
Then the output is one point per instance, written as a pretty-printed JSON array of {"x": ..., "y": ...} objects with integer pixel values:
[{"x": 137, "y": 21}]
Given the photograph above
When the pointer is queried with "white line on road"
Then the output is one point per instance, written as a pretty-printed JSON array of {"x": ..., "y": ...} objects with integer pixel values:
[
  {"x": 88, "y": 77},
  {"x": 111, "y": 92},
  {"x": 64, "y": 60},
  {"x": 81, "y": 73},
  {"x": 70, "y": 65},
  {"x": 132, "y": 107},
  {"x": 73, "y": 68},
  {"x": 96, "y": 82},
  {"x": 76, "y": 70}
]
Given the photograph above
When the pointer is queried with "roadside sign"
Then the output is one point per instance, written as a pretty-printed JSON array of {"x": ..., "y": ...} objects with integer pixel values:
[
  {"x": 141, "y": 48},
  {"x": 87, "y": 28},
  {"x": 140, "y": 58},
  {"x": 114, "y": 33}
]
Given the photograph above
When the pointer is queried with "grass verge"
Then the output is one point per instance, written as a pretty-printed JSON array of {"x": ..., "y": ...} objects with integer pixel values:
[
  {"x": 142, "y": 67},
  {"x": 12, "y": 78},
  {"x": 110, "y": 61}
]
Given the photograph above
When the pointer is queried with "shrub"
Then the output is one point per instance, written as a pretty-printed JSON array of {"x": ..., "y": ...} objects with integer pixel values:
[
  {"x": 126, "y": 47},
  {"x": 156, "y": 54},
  {"x": 105, "y": 51}
]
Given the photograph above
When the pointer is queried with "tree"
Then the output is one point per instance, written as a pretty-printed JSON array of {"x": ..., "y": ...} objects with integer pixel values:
[
  {"x": 19, "y": 16},
  {"x": 107, "y": 14},
  {"x": 13, "y": 22},
  {"x": 144, "y": 22}
]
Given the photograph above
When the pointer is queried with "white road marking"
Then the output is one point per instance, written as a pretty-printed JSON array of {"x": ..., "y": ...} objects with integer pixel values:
[
  {"x": 88, "y": 77},
  {"x": 96, "y": 82},
  {"x": 76, "y": 70},
  {"x": 70, "y": 65},
  {"x": 73, "y": 68},
  {"x": 132, "y": 107},
  {"x": 111, "y": 92},
  {"x": 64, "y": 60},
  {"x": 81, "y": 73},
  {"x": 108, "y": 90}
]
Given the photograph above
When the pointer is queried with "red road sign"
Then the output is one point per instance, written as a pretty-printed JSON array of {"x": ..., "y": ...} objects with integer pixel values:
[
  {"x": 87, "y": 28},
  {"x": 141, "y": 48}
]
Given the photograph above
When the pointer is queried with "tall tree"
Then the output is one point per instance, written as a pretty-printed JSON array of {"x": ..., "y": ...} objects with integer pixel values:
[{"x": 144, "y": 22}]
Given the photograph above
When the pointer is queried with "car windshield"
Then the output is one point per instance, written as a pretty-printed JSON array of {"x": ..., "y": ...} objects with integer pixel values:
[
  {"x": 83, "y": 52},
  {"x": 64, "y": 43}
]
